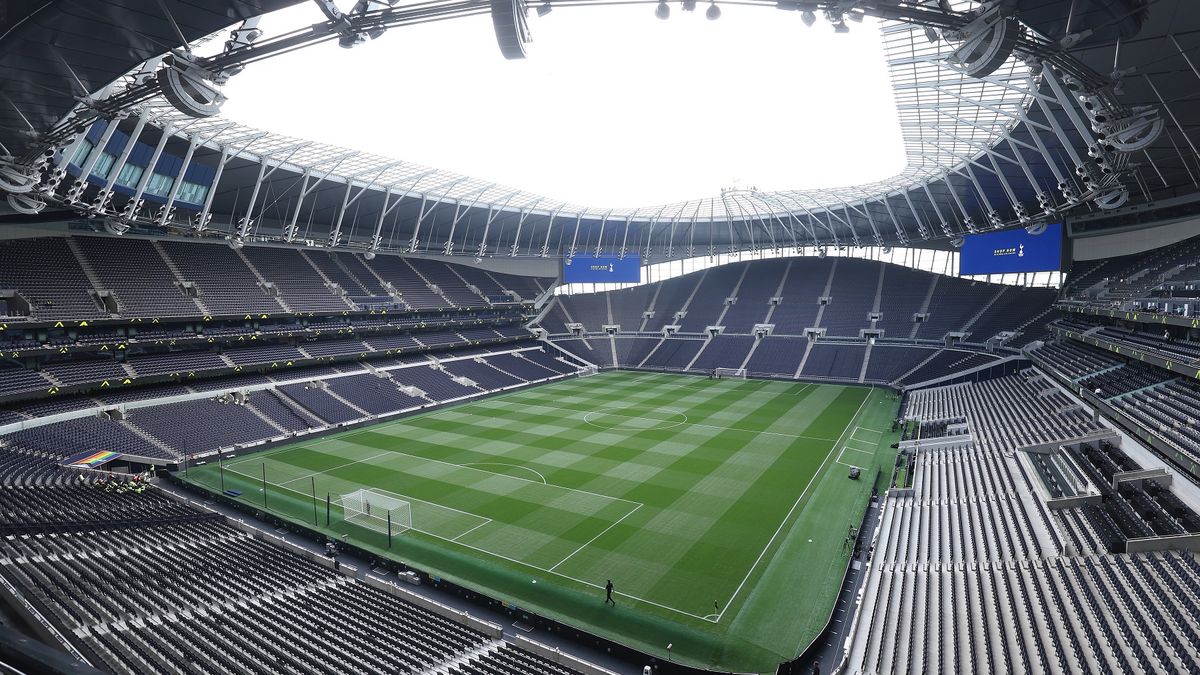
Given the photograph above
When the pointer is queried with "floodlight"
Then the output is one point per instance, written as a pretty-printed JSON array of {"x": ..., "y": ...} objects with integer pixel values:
[
  {"x": 956, "y": 242},
  {"x": 544, "y": 8},
  {"x": 841, "y": 27},
  {"x": 931, "y": 34},
  {"x": 688, "y": 5},
  {"x": 662, "y": 11},
  {"x": 369, "y": 255},
  {"x": 856, "y": 17},
  {"x": 713, "y": 12},
  {"x": 808, "y": 17}
]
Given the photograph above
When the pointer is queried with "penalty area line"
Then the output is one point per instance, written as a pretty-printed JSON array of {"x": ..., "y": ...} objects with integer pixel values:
[{"x": 589, "y": 541}]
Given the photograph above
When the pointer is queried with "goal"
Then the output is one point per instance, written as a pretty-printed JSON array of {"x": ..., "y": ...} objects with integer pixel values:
[
  {"x": 730, "y": 372},
  {"x": 588, "y": 371},
  {"x": 375, "y": 511}
]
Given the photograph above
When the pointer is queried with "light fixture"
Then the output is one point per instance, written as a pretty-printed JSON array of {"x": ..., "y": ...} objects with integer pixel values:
[
  {"x": 662, "y": 11},
  {"x": 931, "y": 34},
  {"x": 544, "y": 8},
  {"x": 713, "y": 12},
  {"x": 808, "y": 17},
  {"x": 856, "y": 17},
  {"x": 688, "y": 5},
  {"x": 369, "y": 255},
  {"x": 841, "y": 27}
]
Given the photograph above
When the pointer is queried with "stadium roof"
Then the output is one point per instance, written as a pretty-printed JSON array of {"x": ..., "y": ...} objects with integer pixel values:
[{"x": 982, "y": 152}]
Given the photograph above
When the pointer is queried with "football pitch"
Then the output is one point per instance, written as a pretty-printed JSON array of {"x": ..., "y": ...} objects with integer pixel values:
[{"x": 719, "y": 508}]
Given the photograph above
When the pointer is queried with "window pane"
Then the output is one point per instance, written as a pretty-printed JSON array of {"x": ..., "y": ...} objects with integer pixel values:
[
  {"x": 103, "y": 165},
  {"x": 159, "y": 185},
  {"x": 130, "y": 175}
]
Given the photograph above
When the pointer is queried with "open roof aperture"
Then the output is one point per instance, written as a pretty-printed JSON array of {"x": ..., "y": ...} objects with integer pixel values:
[{"x": 614, "y": 108}]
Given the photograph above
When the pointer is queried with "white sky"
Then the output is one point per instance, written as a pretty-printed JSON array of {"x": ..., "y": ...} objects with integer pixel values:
[{"x": 613, "y": 108}]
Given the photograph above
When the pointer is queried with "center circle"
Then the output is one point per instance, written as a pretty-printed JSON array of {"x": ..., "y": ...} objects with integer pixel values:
[{"x": 634, "y": 419}]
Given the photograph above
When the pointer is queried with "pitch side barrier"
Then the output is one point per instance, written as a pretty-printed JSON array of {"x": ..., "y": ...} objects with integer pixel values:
[{"x": 449, "y": 589}]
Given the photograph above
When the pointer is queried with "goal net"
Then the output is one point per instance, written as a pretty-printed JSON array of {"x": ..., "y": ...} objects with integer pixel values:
[
  {"x": 374, "y": 511},
  {"x": 731, "y": 372},
  {"x": 588, "y": 370}
]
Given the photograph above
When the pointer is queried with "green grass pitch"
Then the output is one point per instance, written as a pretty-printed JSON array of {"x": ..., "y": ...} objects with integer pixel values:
[{"x": 717, "y": 507}]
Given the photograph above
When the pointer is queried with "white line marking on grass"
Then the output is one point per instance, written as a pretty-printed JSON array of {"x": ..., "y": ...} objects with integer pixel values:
[
  {"x": 869, "y": 431},
  {"x": 842, "y": 454},
  {"x": 515, "y": 466},
  {"x": 489, "y": 520},
  {"x": 585, "y": 413},
  {"x": 788, "y": 517},
  {"x": 461, "y": 466},
  {"x": 589, "y": 541},
  {"x": 334, "y": 468},
  {"x": 609, "y": 411},
  {"x": 521, "y": 562}
]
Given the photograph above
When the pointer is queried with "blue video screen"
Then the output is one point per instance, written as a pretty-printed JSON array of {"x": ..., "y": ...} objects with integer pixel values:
[
  {"x": 1012, "y": 251},
  {"x": 605, "y": 269}
]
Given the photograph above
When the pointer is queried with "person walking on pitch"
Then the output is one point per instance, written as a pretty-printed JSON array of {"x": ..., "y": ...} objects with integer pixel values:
[{"x": 608, "y": 588}]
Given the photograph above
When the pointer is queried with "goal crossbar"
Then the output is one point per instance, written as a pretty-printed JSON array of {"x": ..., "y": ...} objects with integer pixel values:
[
  {"x": 730, "y": 372},
  {"x": 375, "y": 511}
]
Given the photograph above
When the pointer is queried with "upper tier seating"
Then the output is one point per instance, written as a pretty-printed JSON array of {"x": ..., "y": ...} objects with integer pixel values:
[
  {"x": 449, "y": 282},
  {"x": 413, "y": 290},
  {"x": 151, "y": 279},
  {"x": 955, "y": 303},
  {"x": 46, "y": 273},
  {"x": 138, "y": 276},
  {"x": 856, "y": 289},
  {"x": 904, "y": 294},
  {"x": 754, "y": 295},
  {"x": 1134, "y": 276},
  {"x": 299, "y": 284},
  {"x": 226, "y": 284},
  {"x": 852, "y": 296}
]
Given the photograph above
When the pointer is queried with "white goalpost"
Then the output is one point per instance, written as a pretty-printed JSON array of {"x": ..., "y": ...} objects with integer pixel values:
[
  {"x": 588, "y": 371},
  {"x": 376, "y": 511},
  {"x": 730, "y": 372}
]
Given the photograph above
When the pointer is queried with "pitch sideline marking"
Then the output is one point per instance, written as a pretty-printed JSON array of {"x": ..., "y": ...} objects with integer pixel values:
[
  {"x": 788, "y": 517},
  {"x": 708, "y": 617}
]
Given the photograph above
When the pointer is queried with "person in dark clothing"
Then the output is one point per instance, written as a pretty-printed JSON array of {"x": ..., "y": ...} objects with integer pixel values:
[{"x": 608, "y": 588}]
